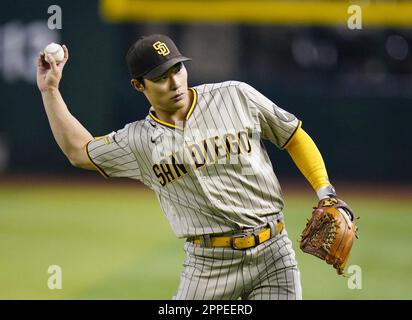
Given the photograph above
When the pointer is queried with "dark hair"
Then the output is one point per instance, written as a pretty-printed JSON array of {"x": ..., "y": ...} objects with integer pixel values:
[{"x": 141, "y": 80}]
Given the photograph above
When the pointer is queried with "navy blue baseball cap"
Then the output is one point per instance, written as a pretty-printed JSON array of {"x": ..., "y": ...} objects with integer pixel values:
[{"x": 151, "y": 56}]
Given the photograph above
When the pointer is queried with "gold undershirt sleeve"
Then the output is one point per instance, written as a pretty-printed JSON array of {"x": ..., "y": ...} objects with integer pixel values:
[{"x": 308, "y": 159}]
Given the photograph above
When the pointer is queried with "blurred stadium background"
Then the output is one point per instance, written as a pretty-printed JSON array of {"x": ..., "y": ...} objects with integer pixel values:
[{"x": 351, "y": 88}]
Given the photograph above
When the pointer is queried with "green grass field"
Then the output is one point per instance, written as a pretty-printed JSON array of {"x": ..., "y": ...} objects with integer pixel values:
[{"x": 113, "y": 242}]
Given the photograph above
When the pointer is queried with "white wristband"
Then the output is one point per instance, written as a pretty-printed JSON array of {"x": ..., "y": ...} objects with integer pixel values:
[{"x": 326, "y": 192}]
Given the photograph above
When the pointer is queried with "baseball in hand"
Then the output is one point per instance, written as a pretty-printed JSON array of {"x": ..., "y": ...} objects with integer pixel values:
[{"x": 55, "y": 50}]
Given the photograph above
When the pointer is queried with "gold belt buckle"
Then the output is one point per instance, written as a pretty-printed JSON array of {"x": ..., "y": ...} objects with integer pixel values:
[
  {"x": 253, "y": 234},
  {"x": 232, "y": 242}
]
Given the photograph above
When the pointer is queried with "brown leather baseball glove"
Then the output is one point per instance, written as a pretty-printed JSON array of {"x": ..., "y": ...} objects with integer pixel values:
[{"x": 330, "y": 232}]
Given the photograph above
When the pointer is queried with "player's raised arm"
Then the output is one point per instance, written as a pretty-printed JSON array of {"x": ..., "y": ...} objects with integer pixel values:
[{"x": 69, "y": 133}]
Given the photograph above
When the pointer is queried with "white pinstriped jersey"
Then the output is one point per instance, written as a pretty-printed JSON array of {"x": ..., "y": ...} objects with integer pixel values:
[{"x": 213, "y": 174}]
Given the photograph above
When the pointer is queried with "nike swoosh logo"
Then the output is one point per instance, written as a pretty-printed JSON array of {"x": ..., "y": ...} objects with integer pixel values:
[{"x": 154, "y": 140}]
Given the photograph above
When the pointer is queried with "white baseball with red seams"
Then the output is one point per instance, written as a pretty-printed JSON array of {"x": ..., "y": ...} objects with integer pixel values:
[{"x": 55, "y": 50}]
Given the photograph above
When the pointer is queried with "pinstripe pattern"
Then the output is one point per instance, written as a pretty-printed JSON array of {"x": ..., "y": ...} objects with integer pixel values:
[
  {"x": 219, "y": 197},
  {"x": 266, "y": 272},
  {"x": 214, "y": 177}
]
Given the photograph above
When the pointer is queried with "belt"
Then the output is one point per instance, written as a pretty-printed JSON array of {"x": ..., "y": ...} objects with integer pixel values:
[{"x": 243, "y": 241}]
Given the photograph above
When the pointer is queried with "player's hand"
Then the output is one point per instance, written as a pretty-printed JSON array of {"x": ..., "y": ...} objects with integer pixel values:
[{"x": 49, "y": 74}]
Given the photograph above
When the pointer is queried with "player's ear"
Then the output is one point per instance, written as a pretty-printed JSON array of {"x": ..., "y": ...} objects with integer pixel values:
[{"x": 138, "y": 85}]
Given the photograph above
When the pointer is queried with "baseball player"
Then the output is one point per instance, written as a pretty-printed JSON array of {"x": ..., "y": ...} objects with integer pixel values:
[{"x": 200, "y": 151}]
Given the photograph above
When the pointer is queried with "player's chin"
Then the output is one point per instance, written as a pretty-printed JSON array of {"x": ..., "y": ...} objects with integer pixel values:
[{"x": 177, "y": 103}]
